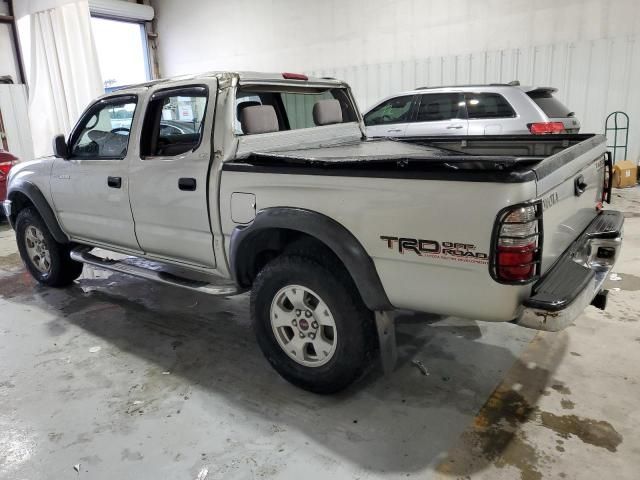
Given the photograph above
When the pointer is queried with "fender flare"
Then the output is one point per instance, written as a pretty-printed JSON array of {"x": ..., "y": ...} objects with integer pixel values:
[
  {"x": 36, "y": 197},
  {"x": 326, "y": 230}
]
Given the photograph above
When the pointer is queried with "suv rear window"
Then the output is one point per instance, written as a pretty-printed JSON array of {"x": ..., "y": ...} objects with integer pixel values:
[
  {"x": 550, "y": 105},
  {"x": 293, "y": 106},
  {"x": 488, "y": 105}
]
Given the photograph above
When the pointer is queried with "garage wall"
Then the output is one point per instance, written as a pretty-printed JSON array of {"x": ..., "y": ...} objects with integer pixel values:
[{"x": 589, "y": 49}]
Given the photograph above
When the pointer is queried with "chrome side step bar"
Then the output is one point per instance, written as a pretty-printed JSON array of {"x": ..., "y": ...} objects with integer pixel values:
[{"x": 82, "y": 254}]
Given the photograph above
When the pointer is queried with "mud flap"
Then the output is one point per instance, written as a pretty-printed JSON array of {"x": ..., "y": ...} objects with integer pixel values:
[{"x": 387, "y": 340}]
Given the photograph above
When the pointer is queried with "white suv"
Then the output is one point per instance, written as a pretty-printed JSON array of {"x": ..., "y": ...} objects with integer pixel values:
[{"x": 495, "y": 109}]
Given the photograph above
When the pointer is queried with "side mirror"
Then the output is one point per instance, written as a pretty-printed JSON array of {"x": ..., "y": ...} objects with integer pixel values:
[{"x": 60, "y": 148}]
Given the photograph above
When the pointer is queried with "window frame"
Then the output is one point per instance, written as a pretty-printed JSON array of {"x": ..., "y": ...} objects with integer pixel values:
[
  {"x": 196, "y": 90},
  {"x": 411, "y": 116},
  {"x": 462, "y": 110},
  {"x": 467, "y": 97},
  {"x": 92, "y": 110},
  {"x": 146, "y": 51},
  {"x": 349, "y": 108}
]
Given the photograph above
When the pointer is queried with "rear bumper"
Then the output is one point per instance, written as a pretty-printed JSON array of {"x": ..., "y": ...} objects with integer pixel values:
[{"x": 576, "y": 278}]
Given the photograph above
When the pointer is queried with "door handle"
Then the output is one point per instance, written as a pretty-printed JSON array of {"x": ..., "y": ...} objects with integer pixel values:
[
  {"x": 187, "y": 184},
  {"x": 395, "y": 130},
  {"x": 457, "y": 127},
  {"x": 114, "y": 182}
]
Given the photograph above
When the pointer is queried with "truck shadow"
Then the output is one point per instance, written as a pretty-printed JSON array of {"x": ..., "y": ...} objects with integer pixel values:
[{"x": 404, "y": 422}]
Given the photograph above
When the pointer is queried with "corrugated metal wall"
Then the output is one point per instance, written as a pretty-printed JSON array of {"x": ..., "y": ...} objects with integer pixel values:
[{"x": 594, "y": 78}]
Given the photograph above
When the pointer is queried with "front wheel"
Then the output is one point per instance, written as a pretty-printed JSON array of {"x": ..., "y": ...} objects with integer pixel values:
[
  {"x": 47, "y": 260},
  {"x": 311, "y": 324}
]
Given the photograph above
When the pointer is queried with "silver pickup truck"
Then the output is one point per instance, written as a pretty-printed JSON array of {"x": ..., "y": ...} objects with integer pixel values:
[{"x": 228, "y": 182}]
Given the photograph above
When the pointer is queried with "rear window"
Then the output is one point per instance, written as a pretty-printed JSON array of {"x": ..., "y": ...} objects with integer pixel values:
[
  {"x": 550, "y": 105},
  {"x": 440, "y": 106},
  {"x": 488, "y": 105},
  {"x": 293, "y": 106}
]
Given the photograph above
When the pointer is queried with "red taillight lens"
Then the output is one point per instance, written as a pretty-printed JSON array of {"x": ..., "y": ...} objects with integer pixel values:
[
  {"x": 294, "y": 76},
  {"x": 544, "y": 128},
  {"x": 5, "y": 167},
  {"x": 518, "y": 244},
  {"x": 516, "y": 263}
]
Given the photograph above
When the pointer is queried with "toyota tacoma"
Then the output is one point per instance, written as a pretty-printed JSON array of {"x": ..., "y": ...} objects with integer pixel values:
[{"x": 268, "y": 183}]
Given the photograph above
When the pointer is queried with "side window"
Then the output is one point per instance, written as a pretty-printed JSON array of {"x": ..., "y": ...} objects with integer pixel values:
[
  {"x": 104, "y": 132},
  {"x": 440, "y": 106},
  {"x": 395, "y": 110},
  {"x": 173, "y": 122},
  {"x": 488, "y": 105}
]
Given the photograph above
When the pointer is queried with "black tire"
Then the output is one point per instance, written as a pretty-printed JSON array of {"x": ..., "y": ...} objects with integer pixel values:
[
  {"x": 354, "y": 323},
  {"x": 62, "y": 271}
]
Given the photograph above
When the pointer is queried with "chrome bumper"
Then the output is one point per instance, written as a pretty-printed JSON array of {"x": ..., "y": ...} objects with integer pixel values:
[{"x": 586, "y": 264}]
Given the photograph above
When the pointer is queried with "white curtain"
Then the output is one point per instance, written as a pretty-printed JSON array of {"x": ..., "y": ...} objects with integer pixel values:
[{"x": 64, "y": 74}]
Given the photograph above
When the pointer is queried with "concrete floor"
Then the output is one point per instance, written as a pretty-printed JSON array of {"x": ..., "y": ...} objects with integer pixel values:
[{"x": 126, "y": 379}]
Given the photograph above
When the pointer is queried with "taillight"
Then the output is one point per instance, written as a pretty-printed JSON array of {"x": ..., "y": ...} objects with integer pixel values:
[
  {"x": 543, "y": 128},
  {"x": 5, "y": 167},
  {"x": 517, "y": 244}
]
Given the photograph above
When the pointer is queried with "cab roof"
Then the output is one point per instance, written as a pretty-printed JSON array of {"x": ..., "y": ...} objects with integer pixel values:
[{"x": 241, "y": 77}]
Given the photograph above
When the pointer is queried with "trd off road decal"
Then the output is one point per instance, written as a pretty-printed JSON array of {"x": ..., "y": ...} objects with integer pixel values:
[{"x": 461, "y": 252}]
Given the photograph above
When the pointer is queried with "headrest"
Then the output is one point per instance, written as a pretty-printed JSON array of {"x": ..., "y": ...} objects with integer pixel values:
[
  {"x": 259, "y": 119},
  {"x": 326, "y": 112},
  {"x": 242, "y": 105}
]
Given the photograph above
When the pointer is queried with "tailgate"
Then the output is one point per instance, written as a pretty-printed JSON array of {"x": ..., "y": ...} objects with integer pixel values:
[{"x": 570, "y": 186}]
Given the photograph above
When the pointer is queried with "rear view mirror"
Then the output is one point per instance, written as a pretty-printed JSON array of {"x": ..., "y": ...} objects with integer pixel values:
[{"x": 60, "y": 148}]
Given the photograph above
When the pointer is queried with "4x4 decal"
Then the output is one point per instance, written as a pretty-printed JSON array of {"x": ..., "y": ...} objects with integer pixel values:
[{"x": 463, "y": 252}]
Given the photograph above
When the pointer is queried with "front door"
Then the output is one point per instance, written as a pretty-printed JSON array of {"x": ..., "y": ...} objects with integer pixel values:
[
  {"x": 439, "y": 114},
  {"x": 169, "y": 188},
  {"x": 90, "y": 189}
]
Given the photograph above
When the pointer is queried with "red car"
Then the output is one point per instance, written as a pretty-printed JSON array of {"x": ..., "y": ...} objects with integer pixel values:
[{"x": 6, "y": 162}]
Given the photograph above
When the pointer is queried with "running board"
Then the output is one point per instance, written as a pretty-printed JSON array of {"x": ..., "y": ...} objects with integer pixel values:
[{"x": 82, "y": 254}]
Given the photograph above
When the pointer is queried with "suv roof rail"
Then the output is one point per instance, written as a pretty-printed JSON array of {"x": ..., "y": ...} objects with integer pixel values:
[{"x": 514, "y": 83}]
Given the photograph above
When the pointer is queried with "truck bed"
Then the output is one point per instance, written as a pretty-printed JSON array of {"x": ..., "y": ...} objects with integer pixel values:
[{"x": 508, "y": 159}]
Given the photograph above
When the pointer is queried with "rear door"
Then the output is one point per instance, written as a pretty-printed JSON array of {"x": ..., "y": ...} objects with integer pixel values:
[
  {"x": 169, "y": 178},
  {"x": 390, "y": 118},
  {"x": 554, "y": 109},
  {"x": 439, "y": 114}
]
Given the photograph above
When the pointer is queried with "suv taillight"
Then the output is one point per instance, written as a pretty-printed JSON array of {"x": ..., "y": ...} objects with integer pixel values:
[
  {"x": 544, "y": 128},
  {"x": 5, "y": 167},
  {"x": 517, "y": 244}
]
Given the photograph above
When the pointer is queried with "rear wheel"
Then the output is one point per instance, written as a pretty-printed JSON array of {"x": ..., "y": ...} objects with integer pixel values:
[
  {"x": 311, "y": 324},
  {"x": 47, "y": 260}
]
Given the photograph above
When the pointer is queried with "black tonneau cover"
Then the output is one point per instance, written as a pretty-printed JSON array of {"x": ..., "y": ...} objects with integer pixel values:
[{"x": 511, "y": 159}]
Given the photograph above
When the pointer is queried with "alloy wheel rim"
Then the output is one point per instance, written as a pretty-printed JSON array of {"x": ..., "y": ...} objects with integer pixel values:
[
  {"x": 37, "y": 249},
  {"x": 303, "y": 325}
]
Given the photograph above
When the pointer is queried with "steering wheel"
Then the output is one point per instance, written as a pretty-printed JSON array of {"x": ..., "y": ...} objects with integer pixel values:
[{"x": 120, "y": 129}]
